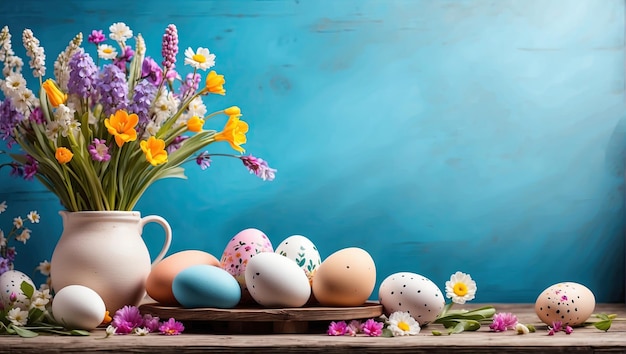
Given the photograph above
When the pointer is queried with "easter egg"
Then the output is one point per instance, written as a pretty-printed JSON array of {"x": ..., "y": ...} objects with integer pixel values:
[
  {"x": 10, "y": 283},
  {"x": 78, "y": 307},
  {"x": 159, "y": 281},
  {"x": 302, "y": 251},
  {"x": 568, "y": 302},
  {"x": 277, "y": 281},
  {"x": 345, "y": 278},
  {"x": 206, "y": 286},
  {"x": 412, "y": 293}
]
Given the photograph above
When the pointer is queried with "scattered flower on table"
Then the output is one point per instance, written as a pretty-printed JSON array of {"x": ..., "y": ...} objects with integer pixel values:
[
  {"x": 503, "y": 321},
  {"x": 129, "y": 320},
  {"x": 337, "y": 328},
  {"x": 402, "y": 324},
  {"x": 557, "y": 326},
  {"x": 171, "y": 327}
]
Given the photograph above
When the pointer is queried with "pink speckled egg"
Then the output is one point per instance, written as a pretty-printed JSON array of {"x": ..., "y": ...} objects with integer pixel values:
[
  {"x": 568, "y": 302},
  {"x": 243, "y": 246}
]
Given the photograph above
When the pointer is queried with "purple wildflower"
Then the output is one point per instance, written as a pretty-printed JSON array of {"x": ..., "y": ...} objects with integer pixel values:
[
  {"x": 337, "y": 328},
  {"x": 169, "y": 47},
  {"x": 11, "y": 254},
  {"x": 204, "y": 160},
  {"x": 372, "y": 328},
  {"x": 259, "y": 167},
  {"x": 557, "y": 326},
  {"x": 4, "y": 265},
  {"x": 96, "y": 37},
  {"x": 151, "y": 323},
  {"x": 190, "y": 85},
  {"x": 126, "y": 57},
  {"x": 127, "y": 319},
  {"x": 9, "y": 119},
  {"x": 171, "y": 74},
  {"x": 176, "y": 143},
  {"x": 30, "y": 168},
  {"x": 112, "y": 88},
  {"x": 16, "y": 170},
  {"x": 568, "y": 330},
  {"x": 503, "y": 321},
  {"x": 171, "y": 327},
  {"x": 36, "y": 115},
  {"x": 151, "y": 71},
  {"x": 83, "y": 75},
  {"x": 143, "y": 95},
  {"x": 99, "y": 150}
]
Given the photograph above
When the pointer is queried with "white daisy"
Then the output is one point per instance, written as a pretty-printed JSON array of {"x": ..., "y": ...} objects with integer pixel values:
[
  {"x": 3, "y": 207},
  {"x": 44, "y": 268},
  {"x": 18, "y": 317},
  {"x": 164, "y": 107},
  {"x": 106, "y": 52},
  {"x": 25, "y": 101},
  {"x": 110, "y": 330},
  {"x": 196, "y": 108},
  {"x": 143, "y": 331},
  {"x": 120, "y": 32},
  {"x": 15, "y": 83},
  {"x": 18, "y": 222},
  {"x": 24, "y": 236},
  {"x": 53, "y": 128},
  {"x": 402, "y": 324},
  {"x": 33, "y": 216},
  {"x": 460, "y": 288},
  {"x": 201, "y": 59}
]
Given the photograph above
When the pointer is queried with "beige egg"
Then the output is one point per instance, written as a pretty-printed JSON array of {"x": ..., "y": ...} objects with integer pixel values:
[
  {"x": 570, "y": 303},
  {"x": 159, "y": 282},
  {"x": 346, "y": 278}
]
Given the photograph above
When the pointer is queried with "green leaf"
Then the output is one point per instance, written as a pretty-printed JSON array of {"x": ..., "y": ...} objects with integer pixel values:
[
  {"x": 387, "y": 332},
  {"x": 23, "y": 332},
  {"x": 460, "y": 327},
  {"x": 471, "y": 325},
  {"x": 603, "y": 325},
  {"x": 27, "y": 289}
]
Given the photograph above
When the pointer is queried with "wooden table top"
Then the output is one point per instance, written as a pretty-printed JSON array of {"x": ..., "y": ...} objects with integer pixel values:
[{"x": 582, "y": 340}]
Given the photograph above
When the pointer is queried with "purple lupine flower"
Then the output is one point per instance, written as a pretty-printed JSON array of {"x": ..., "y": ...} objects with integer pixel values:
[
  {"x": 190, "y": 85},
  {"x": 36, "y": 116},
  {"x": 259, "y": 167},
  {"x": 143, "y": 95},
  {"x": 112, "y": 88},
  {"x": 127, "y": 319},
  {"x": 99, "y": 150},
  {"x": 204, "y": 160},
  {"x": 96, "y": 37},
  {"x": 151, "y": 323},
  {"x": 169, "y": 47},
  {"x": 126, "y": 57},
  {"x": 171, "y": 327},
  {"x": 9, "y": 119},
  {"x": 372, "y": 328},
  {"x": 503, "y": 321},
  {"x": 83, "y": 75},
  {"x": 151, "y": 71},
  {"x": 171, "y": 74},
  {"x": 30, "y": 168},
  {"x": 337, "y": 328},
  {"x": 176, "y": 143}
]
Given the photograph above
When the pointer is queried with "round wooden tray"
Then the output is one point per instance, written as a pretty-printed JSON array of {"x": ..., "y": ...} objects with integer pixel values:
[{"x": 280, "y": 320}]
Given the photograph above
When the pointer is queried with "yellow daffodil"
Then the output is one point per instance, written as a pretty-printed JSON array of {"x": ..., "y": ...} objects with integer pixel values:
[
  {"x": 154, "y": 149},
  {"x": 215, "y": 83},
  {"x": 195, "y": 123},
  {"x": 231, "y": 111},
  {"x": 122, "y": 126},
  {"x": 55, "y": 95},
  {"x": 234, "y": 132},
  {"x": 63, "y": 155}
]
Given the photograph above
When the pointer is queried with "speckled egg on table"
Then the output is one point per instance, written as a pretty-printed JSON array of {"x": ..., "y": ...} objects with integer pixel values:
[
  {"x": 568, "y": 302},
  {"x": 412, "y": 293},
  {"x": 11, "y": 282},
  {"x": 302, "y": 251}
]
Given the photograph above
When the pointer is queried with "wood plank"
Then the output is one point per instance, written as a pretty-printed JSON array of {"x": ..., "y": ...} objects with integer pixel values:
[{"x": 583, "y": 340}]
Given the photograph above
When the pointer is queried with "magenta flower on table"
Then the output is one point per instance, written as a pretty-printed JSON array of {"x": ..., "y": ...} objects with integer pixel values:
[
  {"x": 503, "y": 321},
  {"x": 151, "y": 323},
  {"x": 372, "y": 328},
  {"x": 171, "y": 327},
  {"x": 127, "y": 319},
  {"x": 337, "y": 328}
]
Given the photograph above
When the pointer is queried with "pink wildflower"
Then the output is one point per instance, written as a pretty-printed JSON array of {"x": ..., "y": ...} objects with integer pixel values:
[
  {"x": 372, "y": 328},
  {"x": 171, "y": 327},
  {"x": 127, "y": 319},
  {"x": 503, "y": 321},
  {"x": 568, "y": 330},
  {"x": 337, "y": 328},
  {"x": 151, "y": 323},
  {"x": 96, "y": 37}
]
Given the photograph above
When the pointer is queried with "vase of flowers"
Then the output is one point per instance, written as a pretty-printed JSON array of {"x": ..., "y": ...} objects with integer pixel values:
[{"x": 102, "y": 132}]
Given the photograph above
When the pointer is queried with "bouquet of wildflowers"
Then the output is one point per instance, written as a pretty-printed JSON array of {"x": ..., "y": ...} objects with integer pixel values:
[{"x": 98, "y": 136}]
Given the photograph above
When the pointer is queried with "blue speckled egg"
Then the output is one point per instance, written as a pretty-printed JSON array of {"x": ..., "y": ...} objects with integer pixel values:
[{"x": 206, "y": 286}]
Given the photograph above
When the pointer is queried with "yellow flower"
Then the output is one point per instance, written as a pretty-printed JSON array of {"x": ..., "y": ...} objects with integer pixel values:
[
  {"x": 231, "y": 111},
  {"x": 154, "y": 149},
  {"x": 122, "y": 126},
  {"x": 215, "y": 83},
  {"x": 55, "y": 95},
  {"x": 63, "y": 155},
  {"x": 195, "y": 124},
  {"x": 234, "y": 132}
]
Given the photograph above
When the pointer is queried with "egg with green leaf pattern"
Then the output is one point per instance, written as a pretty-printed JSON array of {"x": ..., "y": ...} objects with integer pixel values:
[{"x": 302, "y": 251}]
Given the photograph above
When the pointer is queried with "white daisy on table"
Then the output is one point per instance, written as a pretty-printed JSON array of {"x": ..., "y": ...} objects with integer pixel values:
[
  {"x": 200, "y": 59},
  {"x": 460, "y": 288},
  {"x": 402, "y": 324},
  {"x": 107, "y": 52}
]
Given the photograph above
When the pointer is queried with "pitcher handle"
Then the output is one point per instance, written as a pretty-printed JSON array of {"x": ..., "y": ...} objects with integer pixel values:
[{"x": 168, "y": 234}]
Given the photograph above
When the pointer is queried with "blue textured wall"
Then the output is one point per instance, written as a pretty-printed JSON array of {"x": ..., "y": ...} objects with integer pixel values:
[{"x": 482, "y": 136}]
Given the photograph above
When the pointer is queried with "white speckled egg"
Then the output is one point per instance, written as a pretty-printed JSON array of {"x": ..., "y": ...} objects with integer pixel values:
[
  {"x": 412, "y": 293},
  {"x": 11, "y": 282},
  {"x": 78, "y": 307},
  {"x": 277, "y": 281},
  {"x": 302, "y": 251},
  {"x": 568, "y": 302}
]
